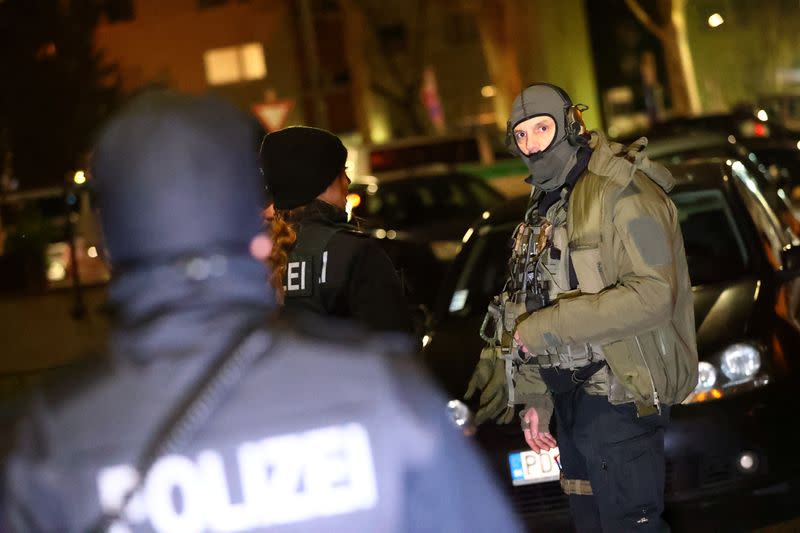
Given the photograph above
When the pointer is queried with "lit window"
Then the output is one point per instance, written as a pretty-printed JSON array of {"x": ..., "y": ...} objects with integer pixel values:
[{"x": 235, "y": 63}]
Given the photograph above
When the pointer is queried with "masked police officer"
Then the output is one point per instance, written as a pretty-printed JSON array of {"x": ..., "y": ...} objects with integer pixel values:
[
  {"x": 598, "y": 322},
  {"x": 320, "y": 262},
  {"x": 205, "y": 418}
]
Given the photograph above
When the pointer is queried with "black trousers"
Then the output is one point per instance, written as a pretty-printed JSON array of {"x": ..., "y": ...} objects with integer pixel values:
[{"x": 621, "y": 455}]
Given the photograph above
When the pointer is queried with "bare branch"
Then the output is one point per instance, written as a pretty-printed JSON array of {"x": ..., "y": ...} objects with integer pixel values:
[
  {"x": 387, "y": 93},
  {"x": 644, "y": 18}
]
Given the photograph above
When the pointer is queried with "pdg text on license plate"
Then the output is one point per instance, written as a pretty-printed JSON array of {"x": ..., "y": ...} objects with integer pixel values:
[{"x": 528, "y": 467}]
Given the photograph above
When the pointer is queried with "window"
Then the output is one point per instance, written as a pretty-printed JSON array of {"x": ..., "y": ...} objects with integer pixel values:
[
  {"x": 484, "y": 272},
  {"x": 234, "y": 64},
  {"x": 774, "y": 234},
  {"x": 711, "y": 237}
]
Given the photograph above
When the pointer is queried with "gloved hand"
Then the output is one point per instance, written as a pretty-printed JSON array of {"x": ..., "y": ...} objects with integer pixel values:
[
  {"x": 489, "y": 377},
  {"x": 494, "y": 398},
  {"x": 482, "y": 373}
]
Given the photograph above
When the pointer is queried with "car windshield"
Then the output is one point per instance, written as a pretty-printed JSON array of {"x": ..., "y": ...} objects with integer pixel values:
[
  {"x": 403, "y": 204},
  {"x": 711, "y": 236}
]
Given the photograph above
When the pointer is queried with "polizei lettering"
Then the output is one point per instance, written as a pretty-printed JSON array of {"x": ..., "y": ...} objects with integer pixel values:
[{"x": 277, "y": 480}]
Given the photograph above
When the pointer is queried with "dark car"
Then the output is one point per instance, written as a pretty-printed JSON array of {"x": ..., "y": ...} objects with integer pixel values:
[
  {"x": 420, "y": 217},
  {"x": 729, "y": 447},
  {"x": 770, "y": 174},
  {"x": 782, "y": 107},
  {"x": 744, "y": 122}
]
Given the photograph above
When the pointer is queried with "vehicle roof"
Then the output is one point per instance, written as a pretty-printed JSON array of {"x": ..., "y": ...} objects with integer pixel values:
[
  {"x": 422, "y": 173},
  {"x": 700, "y": 173},
  {"x": 661, "y": 146},
  {"x": 731, "y": 122}
]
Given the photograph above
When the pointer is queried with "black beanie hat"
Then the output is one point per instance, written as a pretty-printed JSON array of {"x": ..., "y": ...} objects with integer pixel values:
[
  {"x": 299, "y": 163},
  {"x": 177, "y": 175}
]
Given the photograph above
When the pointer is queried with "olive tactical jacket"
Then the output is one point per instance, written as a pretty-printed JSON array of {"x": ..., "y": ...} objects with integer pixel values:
[{"x": 635, "y": 297}]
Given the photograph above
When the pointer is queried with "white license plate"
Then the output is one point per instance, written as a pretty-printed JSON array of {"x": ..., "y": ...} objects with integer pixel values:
[{"x": 528, "y": 467}]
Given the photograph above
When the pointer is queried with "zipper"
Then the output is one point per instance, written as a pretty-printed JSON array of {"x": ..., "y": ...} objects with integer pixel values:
[{"x": 649, "y": 373}]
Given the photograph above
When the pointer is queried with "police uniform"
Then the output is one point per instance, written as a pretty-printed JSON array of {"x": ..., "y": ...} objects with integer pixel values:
[
  {"x": 338, "y": 271},
  {"x": 206, "y": 417},
  {"x": 332, "y": 268},
  {"x": 369, "y": 449}
]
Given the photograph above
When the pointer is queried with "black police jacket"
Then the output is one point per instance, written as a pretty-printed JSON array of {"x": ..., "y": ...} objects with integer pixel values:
[
  {"x": 314, "y": 436},
  {"x": 336, "y": 270}
]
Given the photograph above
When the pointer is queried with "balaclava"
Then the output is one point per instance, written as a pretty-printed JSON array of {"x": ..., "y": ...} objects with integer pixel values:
[{"x": 548, "y": 168}]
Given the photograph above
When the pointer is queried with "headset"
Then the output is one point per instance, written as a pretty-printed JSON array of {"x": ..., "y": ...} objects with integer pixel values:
[{"x": 573, "y": 115}]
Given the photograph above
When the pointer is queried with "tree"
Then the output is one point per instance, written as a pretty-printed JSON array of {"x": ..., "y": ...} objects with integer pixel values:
[
  {"x": 397, "y": 62},
  {"x": 56, "y": 86},
  {"x": 672, "y": 34},
  {"x": 496, "y": 25}
]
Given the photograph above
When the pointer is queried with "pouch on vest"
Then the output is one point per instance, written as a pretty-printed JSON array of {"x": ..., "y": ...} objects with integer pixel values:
[{"x": 588, "y": 269}]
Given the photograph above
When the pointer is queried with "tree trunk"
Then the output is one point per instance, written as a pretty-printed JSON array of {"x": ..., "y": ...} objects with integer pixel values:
[
  {"x": 677, "y": 56},
  {"x": 499, "y": 40}
]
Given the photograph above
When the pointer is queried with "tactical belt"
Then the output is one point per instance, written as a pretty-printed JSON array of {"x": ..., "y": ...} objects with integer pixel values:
[
  {"x": 579, "y": 487},
  {"x": 568, "y": 359}
]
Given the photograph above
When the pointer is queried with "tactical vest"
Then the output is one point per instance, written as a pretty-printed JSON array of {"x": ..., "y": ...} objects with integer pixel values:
[
  {"x": 307, "y": 266},
  {"x": 556, "y": 264}
]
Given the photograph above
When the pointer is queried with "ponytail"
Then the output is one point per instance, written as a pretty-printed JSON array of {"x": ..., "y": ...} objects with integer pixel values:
[{"x": 283, "y": 240}]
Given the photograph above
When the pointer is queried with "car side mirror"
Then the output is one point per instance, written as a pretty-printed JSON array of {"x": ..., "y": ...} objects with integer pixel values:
[{"x": 790, "y": 261}]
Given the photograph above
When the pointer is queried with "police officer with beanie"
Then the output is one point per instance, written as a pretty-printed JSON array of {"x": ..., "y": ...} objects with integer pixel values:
[
  {"x": 320, "y": 262},
  {"x": 205, "y": 417},
  {"x": 597, "y": 323}
]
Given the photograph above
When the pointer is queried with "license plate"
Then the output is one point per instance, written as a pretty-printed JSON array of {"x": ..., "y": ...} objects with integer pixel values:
[{"x": 528, "y": 467}]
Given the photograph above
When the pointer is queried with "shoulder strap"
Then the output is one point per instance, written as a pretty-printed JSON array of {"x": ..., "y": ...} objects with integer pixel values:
[
  {"x": 312, "y": 235},
  {"x": 195, "y": 407}
]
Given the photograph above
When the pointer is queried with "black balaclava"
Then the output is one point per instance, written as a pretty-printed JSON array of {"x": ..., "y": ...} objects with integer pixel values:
[{"x": 548, "y": 168}]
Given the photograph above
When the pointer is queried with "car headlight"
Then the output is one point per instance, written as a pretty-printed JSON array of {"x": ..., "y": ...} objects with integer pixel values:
[
  {"x": 740, "y": 362},
  {"x": 740, "y": 368},
  {"x": 706, "y": 376}
]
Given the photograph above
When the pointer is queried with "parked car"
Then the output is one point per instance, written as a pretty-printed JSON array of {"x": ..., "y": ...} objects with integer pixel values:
[
  {"x": 744, "y": 122},
  {"x": 728, "y": 447},
  {"x": 772, "y": 175},
  {"x": 783, "y": 107},
  {"x": 420, "y": 217},
  {"x": 46, "y": 237}
]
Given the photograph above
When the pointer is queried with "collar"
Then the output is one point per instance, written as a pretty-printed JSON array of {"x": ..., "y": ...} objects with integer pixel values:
[{"x": 319, "y": 211}]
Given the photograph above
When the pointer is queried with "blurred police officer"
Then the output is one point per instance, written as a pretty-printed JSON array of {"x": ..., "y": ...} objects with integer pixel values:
[
  {"x": 320, "y": 262},
  {"x": 205, "y": 419},
  {"x": 603, "y": 322}
]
